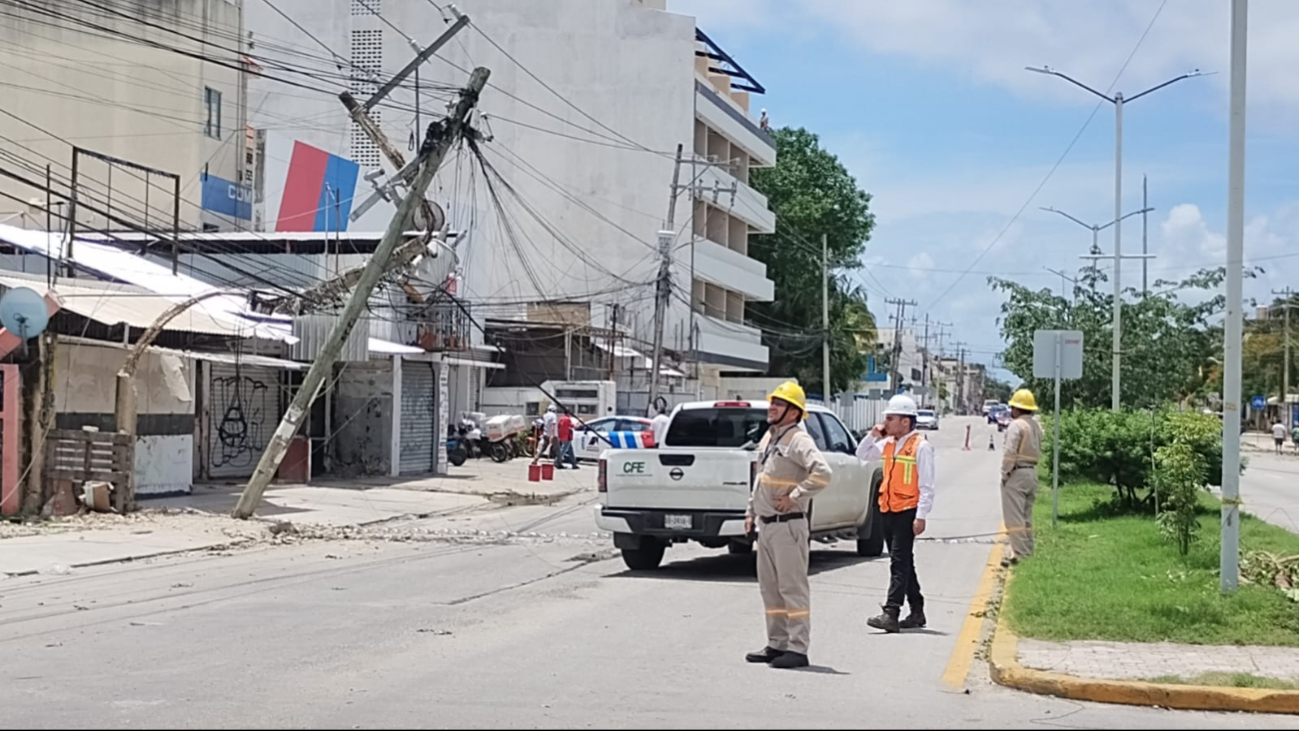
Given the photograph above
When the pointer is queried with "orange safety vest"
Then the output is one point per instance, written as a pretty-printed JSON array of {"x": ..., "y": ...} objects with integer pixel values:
[{"x": 900, "y": 489}]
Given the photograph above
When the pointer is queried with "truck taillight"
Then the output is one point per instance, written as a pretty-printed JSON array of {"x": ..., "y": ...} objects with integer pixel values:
[
  {"x": 602, "y": 478},
  {"x": 731, "y": 404},
  {"x": 647, "y": 440}
]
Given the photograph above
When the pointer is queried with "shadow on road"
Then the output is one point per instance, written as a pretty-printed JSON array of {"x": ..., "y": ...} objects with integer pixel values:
[
  {"x": 728, "y": 568},
  {"x": 821, "y": 670}
]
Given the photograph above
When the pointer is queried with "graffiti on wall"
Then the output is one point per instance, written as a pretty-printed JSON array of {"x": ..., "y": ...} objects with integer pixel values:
[{"x": 241, "y": 404}]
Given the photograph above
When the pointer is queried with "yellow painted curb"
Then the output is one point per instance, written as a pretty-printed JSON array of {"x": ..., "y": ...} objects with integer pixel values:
[{"x": 1007, "y": 671}]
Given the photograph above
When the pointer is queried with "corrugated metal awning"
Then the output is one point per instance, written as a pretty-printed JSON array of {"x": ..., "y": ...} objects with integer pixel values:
[{"x": 118, "y": 304}]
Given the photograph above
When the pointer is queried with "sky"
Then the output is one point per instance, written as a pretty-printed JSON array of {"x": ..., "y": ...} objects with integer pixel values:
[{"x": 928, "y": 104}]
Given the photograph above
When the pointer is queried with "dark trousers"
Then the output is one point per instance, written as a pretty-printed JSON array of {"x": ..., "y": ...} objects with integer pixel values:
[{"x": 900, "y": 536}]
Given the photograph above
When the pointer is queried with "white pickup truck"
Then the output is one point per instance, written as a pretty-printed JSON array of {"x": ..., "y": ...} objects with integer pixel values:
[{"x": 695, "y": 486}]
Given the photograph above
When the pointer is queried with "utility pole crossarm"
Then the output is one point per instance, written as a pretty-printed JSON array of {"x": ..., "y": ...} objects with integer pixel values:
[{"x": 440, "y": 137}]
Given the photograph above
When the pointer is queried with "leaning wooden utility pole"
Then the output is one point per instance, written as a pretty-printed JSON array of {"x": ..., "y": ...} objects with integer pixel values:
[{"x": 441, "y": 136}]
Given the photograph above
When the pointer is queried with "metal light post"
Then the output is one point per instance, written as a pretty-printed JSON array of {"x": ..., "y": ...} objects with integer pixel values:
[
  {"x": 1118, "y": 100},
  {"x": 1233, "y": 325}
]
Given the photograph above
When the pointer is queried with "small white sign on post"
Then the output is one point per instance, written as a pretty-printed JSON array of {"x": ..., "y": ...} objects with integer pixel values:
[
  {"x": 1070, "y": 353},
  {"x": 1057, "y": 354}
]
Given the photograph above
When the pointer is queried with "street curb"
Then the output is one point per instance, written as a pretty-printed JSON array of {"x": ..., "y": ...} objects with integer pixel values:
[{"x": 1007, "y": 671}]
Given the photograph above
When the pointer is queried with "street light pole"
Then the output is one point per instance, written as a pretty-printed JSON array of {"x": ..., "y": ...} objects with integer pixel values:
[
  {"x": 1118, "y": 101},
  {"x": 1234, "y": 325},
  {"x": 1115, "y": 392}
]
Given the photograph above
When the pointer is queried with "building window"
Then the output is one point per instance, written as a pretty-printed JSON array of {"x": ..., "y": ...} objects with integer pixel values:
[{"x": 212, "y": 99}]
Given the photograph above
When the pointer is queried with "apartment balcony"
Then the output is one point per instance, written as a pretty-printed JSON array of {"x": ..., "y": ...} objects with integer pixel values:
[
  {"x": 730, "y": 344},
  {"x": 730, "y": 120},
  {"x": 714, "y": 186},
  {"x": 725, "y": 267}
]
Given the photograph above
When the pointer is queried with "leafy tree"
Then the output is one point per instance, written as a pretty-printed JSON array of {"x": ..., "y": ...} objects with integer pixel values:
[
  {"x": 998, "y": 389},
  {"x": 1169, "y": 347},
  {"x": 813, "y": 194}
]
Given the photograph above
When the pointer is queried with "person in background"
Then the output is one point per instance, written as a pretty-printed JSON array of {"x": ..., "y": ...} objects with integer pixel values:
[
  {"x": 564, "y": 434},
  {"x": 1294, "y": 437},
  {"x": 659, "y": 425},
  {"x": 549, "y": 425},
  {"x": 1019, "y": 484},
  {"x": 1278, "y": 434},
  {"x": 905, "y": 498}
]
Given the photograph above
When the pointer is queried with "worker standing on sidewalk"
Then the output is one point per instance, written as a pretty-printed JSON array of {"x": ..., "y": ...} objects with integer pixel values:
[
  {"x": 905, "y": 498},
  {"x": 1019, "y": 484},
  {"x": 791, "y": 471}
]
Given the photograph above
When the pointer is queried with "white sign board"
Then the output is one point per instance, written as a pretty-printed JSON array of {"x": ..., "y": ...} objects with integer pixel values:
[{"x": 1071, "y": 353}]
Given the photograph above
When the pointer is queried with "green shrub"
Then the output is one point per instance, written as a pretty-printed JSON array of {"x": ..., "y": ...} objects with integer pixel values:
[
  {"x": 1180, "y": 474},
  {"x": 1119, "y": 448}
]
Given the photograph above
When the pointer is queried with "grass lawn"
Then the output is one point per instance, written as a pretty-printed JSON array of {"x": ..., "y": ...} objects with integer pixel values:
[{"x": 1098, "y": 577}]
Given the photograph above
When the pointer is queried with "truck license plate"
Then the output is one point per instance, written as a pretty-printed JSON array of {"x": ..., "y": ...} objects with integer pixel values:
[{"x": 678, "y": 522}]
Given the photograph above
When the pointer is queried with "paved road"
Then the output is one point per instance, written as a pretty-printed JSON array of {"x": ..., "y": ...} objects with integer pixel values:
[
  {"x": 1270, "y": 487},
  {"x": 527, "y": 633}
]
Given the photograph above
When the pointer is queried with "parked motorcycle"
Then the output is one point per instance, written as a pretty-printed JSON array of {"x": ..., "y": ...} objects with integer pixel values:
[{"x": 457, "y": 451}]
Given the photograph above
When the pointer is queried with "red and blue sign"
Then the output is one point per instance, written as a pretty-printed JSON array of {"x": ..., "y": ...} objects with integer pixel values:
[{"x": 318, "y": 192}]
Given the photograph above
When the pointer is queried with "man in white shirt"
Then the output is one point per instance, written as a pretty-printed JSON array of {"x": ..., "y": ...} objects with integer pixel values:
[
  {"x": 1278, "y": 434},
  {"x": 905, "y": 498},
  {"x": 659, "y": 425}
]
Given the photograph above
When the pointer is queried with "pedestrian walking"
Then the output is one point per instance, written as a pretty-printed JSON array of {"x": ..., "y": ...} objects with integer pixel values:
[
  {"x": 1294, "y": 437},
  {"x": 1019, "y": 484},
  {"x": 1278, "y": 435},
  {"x": 791, "y": 470},
  {"x": 564, "y": 435},
  {"x": 906, "y": 496}
]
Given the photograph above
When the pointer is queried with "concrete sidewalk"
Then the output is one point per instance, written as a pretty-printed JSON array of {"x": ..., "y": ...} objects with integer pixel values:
[{"x": 201, "y": 521}]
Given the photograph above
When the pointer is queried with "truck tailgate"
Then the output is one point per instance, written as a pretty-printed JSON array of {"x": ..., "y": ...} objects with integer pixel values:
[{"x": 667, "y": 479}]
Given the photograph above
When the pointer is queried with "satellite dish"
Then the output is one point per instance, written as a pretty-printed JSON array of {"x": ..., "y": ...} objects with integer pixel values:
[{"x": 23, "y": 312}]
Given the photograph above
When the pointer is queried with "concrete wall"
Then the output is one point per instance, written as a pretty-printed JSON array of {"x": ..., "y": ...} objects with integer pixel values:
[
  {"x": 84, "y": 378},
  {"x": 122, "y": 98},
  {"x": 627, "y": 64},
  {"x": 363, "y": 421}
]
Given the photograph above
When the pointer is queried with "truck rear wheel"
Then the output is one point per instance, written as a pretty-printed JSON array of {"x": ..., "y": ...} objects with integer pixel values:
[
  {"x": 870, "y": 537},
  {"x": 645, "y": 558}
]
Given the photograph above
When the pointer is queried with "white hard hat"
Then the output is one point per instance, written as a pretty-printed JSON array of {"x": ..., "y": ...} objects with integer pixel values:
[
  {"x": 901, "y": 405},
  {"x": 551, "y": 408}
]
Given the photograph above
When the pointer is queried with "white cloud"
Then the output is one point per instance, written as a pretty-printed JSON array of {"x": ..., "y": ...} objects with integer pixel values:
[
  {"x": 920, "y": 264},
  {"x": 1187, "y": 236}
]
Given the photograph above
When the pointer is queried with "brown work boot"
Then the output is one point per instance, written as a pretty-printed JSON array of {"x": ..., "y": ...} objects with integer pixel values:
[{"x": 888, "y": 621}]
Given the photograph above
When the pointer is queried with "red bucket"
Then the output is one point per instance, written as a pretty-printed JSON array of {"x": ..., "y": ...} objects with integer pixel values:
[
  {"x": 534, "y": 473},
  {"x": 547, "y": 471}
]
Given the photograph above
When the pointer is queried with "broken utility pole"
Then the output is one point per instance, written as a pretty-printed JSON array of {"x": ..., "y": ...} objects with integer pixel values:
[{"x": 441, "y": 136}]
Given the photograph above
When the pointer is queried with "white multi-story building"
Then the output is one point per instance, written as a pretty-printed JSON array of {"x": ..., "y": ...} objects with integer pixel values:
[
  {"x": 587, "y": 104},
  {"x": 152, "y": 84}
]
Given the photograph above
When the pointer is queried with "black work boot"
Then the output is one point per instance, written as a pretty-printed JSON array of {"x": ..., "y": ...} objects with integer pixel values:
[
  {"x": 888, "y": 621},
  {"x": 767, "y": 655},
  {"x": 790, "y": 661},
  {"x": 914, "y": 620}
]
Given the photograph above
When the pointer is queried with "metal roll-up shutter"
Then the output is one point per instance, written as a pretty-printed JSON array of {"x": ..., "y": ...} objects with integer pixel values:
[
  {"x": 243, "y": 412},
  {"x": 418, "y": 412}
]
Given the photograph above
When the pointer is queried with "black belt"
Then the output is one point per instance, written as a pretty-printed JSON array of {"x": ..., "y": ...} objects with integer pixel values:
[
  {"x": 781, "y": 518},
  {"x": 1024, "y": 467}
]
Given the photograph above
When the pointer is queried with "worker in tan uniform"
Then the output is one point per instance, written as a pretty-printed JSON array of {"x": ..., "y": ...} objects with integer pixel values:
[
  {"x": 791, "y": 470},
  {"x": 1019, "y": 484}
]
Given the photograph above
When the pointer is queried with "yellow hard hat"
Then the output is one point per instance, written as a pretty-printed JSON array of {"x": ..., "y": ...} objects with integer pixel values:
[
  {"x": 1023, "y": 400},
  {"x": 791, "y": 392}
]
